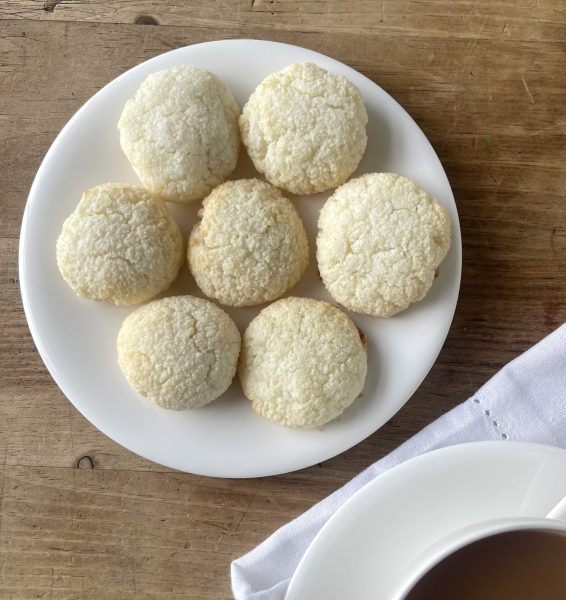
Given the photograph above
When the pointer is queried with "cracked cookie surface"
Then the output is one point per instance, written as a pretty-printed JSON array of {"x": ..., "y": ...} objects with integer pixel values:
[
  {"x": 180, "y": 133},
  {"x": 303, "y": 362},
  {"x": 120, "y": 244},
  {"x": 381, "y": 239},
  {"x": 250, "y": 246},
  {"x": 180, "y": 352},
  {"x": 305, "y": 128}
]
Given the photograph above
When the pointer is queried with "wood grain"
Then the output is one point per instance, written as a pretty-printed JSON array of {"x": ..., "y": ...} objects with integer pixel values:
[
  {"x": 522, "y": 19},
  {"x": 482, "y": 79}
]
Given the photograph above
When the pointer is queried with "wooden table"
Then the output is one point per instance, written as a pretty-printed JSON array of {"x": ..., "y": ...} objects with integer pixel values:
[{"x": 82, "y": 518}]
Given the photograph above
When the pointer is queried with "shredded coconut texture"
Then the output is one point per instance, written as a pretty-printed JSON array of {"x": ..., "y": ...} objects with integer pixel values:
[
  {"x": 250, "y": 246},
  {"x": 180, "y": 352},
  {"x": 302, "y": 363},
  {"x": 380, "y": 241},
  {"x": 305, "y": 128},
  {"x": 180, "y": 133},
  {"x": 120, "y": 244}
]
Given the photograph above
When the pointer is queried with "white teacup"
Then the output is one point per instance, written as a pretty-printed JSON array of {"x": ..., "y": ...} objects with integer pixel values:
[{"x": 445, "y": 547}]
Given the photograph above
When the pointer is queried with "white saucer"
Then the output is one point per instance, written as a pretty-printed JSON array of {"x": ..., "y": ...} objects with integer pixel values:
[{"x": 368, "y": 548}]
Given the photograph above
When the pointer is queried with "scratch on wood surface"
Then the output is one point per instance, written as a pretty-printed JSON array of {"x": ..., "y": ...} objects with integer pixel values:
[
  {"x": 474, "y": 42},
  {"x": 246, "y": 511},
  {"x": 6, "y": 558},
  {"x": 454, "y": 124},
  {"x": 456, "y": 116},
  {"x": 6, "y": 554},
  {"x": 552, "y": 241},
  {"x": 134, "y": 574},
  {"x": 51, "y": 583},
  {"x": 527, "y": 90},
  {"x": 72, "y": 441}
]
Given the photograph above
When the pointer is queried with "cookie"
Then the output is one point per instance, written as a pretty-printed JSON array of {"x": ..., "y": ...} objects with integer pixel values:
[
  {"x": 250, "y": 246},
  {"x": 180, "y": 352},
  {"x": 381, "y": 239},
  {"x": 180, "y": 133},
  {"x": 120, "y": 244},
  {"x": 305, "y": 128},
  {"x": 303, "y": 362}
]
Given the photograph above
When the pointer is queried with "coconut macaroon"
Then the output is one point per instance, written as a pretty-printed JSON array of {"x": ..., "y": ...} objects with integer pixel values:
[
  {"x": 180, "y": 352},
  {"x": 303, "y": 362},
  {"x": 250, "y": 246},
  {"x": 305, "y": 128},
  {"x": 120, "y": 244},
  {"x": 180, "y": 133},
  {"x": 381, "y": 239}
]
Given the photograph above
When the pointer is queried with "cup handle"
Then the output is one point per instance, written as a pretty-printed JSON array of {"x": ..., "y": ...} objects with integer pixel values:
[{"x": 559, "y": 511}]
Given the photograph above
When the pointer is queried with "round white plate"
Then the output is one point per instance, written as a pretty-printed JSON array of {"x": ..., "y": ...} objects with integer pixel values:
[
  {"x": 76, "y": 337},
  {"x": 369, "y": 547}
]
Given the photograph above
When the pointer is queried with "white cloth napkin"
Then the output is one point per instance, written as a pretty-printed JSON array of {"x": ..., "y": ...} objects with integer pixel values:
[{"x": 525, "y": 401}]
